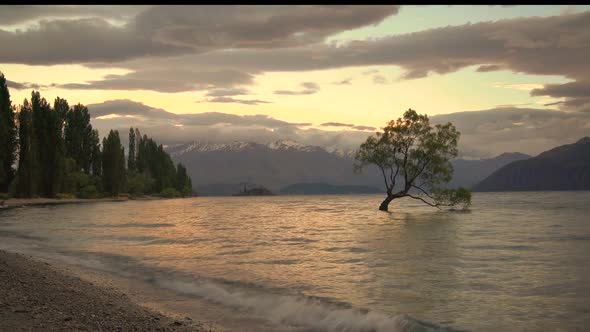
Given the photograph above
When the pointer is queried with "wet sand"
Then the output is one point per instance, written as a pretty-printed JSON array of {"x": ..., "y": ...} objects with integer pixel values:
[{"x": 36, "y": 296}]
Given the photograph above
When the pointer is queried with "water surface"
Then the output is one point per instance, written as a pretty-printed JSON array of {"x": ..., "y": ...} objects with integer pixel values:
[{"x": 516, "y": 261}]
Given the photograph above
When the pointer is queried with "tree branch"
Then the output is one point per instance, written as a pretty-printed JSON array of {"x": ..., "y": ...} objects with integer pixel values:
[
  {"x": 425, "y": 201},
  {"x": 404, "y": 167},
  {"x": 418, "y": 174},
  {"x": 424, "y": 191},
  {"x": 384, "y": 178}
]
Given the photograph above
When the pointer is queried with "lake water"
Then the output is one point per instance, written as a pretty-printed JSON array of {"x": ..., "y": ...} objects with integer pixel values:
[{"x": 515, "y": 261}]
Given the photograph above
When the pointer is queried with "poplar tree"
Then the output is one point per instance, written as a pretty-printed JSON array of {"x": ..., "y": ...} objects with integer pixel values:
[
  {"x": 8, "y": 136},
  {"x": 113, "y": 164},
  {"x": 131, "y": 158},
  {"x": 25, "y": 186}
]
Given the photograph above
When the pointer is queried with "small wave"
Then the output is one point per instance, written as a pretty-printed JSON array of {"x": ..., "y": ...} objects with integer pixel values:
[
  {"x": 346, "y": 249},
  {"x": 299, "y": 310},
  {"x": 500, "y": 247},
  {"x": 235, "y": 252},
  {"x": 18, "y": 235},
  {"x": 271, "y": 304},
  {"x": 272, "y": 262},
  {"x": 128, "y": 238},
  {"x": 127, "y": 225},
  {"x": 298, "y": 240}
]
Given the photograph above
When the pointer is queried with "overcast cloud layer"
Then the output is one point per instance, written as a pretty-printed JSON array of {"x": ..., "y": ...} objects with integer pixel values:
[
  {"x": 485, "y": 133},
  {"x": 224, "y": 46},
  {"x": 222, "y": 49}
]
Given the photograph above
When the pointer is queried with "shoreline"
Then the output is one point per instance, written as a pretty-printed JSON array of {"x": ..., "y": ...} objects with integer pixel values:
[
  {"x": 12, "y": 203},
  {"x": 36, "y": 295}
]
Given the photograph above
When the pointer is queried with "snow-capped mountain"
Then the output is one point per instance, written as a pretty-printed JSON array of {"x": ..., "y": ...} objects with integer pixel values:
[
  {"x": 220, "y": 168},
  {"x": 216, "y": 167},
  {"x": 237, "y": 146}
]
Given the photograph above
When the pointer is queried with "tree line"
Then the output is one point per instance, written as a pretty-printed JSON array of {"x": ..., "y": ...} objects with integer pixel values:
[{"x": 57, "y": 153}]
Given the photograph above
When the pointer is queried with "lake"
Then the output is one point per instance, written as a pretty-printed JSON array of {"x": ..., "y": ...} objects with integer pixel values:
[{"x": 515, "y": 261}]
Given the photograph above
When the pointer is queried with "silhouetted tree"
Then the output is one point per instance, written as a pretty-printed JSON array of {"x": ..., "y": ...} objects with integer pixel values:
[
  {"x": 78, "y": 137},
  {"x": 26, "y": 173},
  {"x": 113, "y": 163},
  {"x": 60, "y": 152},
  {"x": 131, "y": 157},
  {"x": 183, "y": 181},
  {"x": 411, "y": 149},
  {"x": 8, "y": 136},
  {"x": 96, "y": 155}
]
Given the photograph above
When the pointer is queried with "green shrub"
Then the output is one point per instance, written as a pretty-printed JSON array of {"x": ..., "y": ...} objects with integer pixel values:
[
  {"x": 89, "y": 191},
  {"x": 139, "y": 184},
  {"x": 4, "y": 196},
  {"x": 64, "y": 196},
  {"x": 169, "y": 193}
]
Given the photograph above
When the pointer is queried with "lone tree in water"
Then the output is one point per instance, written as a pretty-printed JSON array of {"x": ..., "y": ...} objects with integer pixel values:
[{"x": 412, "y": 150}]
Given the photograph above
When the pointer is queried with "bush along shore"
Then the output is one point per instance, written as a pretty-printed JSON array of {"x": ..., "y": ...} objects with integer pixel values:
[{"x": 41, "y": 201}]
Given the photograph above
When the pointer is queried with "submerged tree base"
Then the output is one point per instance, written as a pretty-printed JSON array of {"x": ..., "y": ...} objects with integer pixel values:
[{"x": 385, "y": 204}]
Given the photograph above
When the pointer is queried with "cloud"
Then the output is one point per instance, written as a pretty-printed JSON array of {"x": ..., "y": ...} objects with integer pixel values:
[
  {"x": 27, "y": 85},
  {"x": 364, "y": 128},
  {"x": 219, "y": 27},
  {"x": 234, "y": 100},
  {"x": 347, "y": 81},
  {"x": 168, "y": 81},
  {"x": 576, "y": 94},
  {"x": 145, "y": 113},
  {"x": 348, "y": 125},
  {"x": 336, "y": 124},
  {"x": 554, "y": 45},
  {"x": 488, "y": 133},
  {"x": 227, "y": 92},
  {"x": 484, "y": 134},
  {"x": 488, "y": 68},
  {"x": 379, "y": 79},
  {"x": 371, "y": 72},
  {"x": 308, "y": 89},
  {"x": 515, "y": 105},
  {"x": 124, "y": 107},
  {"x": 16, "y": 14},
  {"x": 78, "y": 41},
  {"x": 168, "y": 30}
]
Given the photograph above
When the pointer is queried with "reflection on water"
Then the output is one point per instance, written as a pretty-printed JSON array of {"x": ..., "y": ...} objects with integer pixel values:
[{"x": 515, "y": 261}]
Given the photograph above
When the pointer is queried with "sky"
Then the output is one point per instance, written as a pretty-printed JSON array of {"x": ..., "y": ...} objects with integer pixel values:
[{"x": 512, "y": 78}]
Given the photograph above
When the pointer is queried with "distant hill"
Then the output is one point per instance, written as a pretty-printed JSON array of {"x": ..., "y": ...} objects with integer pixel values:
[
  {"x": 566, "y": 167},
  {"x": 217, "y": 169},
  {"x": 319, "y": 188},
  {"x": 468, "y": 173},
  {"x": 255, "y": 191}
]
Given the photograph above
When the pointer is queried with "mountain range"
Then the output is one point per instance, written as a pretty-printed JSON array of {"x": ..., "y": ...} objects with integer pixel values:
[
  {"x": 222, "y": 169},
  {"x": 565, "y": 167}
]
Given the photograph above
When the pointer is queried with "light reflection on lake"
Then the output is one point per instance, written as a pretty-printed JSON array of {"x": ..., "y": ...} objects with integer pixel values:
[{"x": 515, "y": 261}]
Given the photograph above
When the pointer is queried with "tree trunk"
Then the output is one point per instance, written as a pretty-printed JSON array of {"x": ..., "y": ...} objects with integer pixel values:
[{"x": 385, "y": 204}]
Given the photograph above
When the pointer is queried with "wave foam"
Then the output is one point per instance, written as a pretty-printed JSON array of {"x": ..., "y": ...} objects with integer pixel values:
[{"x": 300, "y": 310}]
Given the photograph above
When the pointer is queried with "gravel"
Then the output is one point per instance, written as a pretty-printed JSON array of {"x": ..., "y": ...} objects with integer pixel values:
[{"x": 35, "y": 296}]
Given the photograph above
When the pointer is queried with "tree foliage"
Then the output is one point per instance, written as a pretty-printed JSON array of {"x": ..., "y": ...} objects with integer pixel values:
[
  {"x": 27, "y": 164},
  {"x": 414, "y": 156},
  {"x": 8, "y": 136},
  {"x": 113, "y": 164},
  {"x": 60, "y": 155},
  {"x": 132, "y": 151},
  {"x": 79, "y": 138}
]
